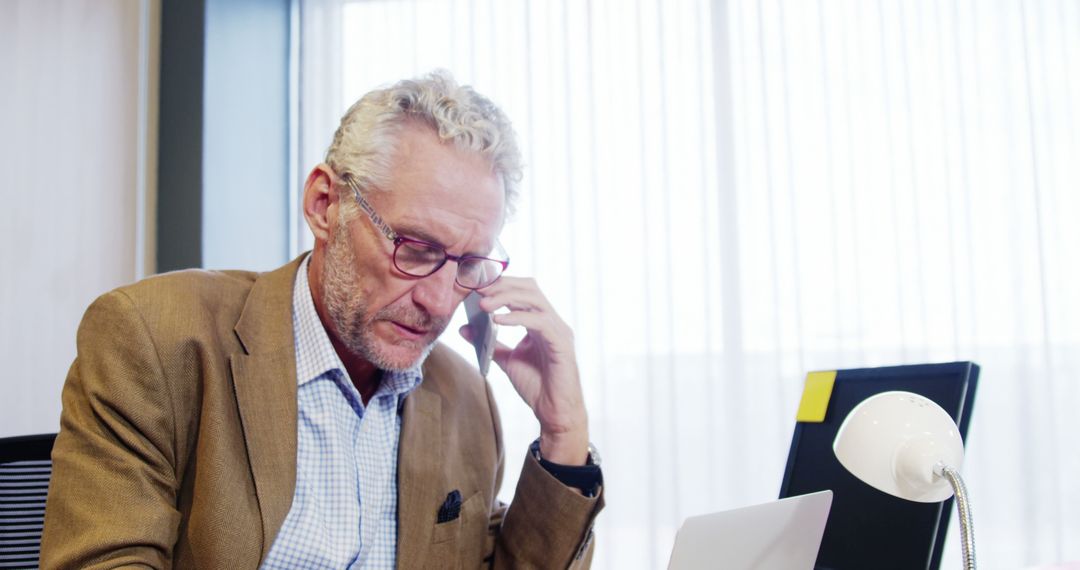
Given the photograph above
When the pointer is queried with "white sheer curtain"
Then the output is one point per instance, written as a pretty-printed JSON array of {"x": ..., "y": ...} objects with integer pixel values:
[{"x": 721, "y": 196}]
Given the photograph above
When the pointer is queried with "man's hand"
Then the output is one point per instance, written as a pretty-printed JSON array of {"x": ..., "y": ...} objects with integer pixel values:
[{"x": 542, "y": 367}]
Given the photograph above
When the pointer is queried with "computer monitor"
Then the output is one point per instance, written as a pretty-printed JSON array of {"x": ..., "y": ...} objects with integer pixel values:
[{"x": 868, "y": 528}]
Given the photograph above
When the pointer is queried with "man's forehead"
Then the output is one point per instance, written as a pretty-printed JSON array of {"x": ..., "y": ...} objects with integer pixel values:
[
  {"x": 449, "y": 217},
  {"x": 472, "y": 233}
]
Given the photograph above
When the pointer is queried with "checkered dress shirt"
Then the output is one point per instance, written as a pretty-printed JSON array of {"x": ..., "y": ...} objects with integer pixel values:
[{"x": 344, "y": 509}]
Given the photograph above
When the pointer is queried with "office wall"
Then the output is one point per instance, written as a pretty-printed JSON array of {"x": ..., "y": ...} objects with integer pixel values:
[{"x": 76, "y": 174}]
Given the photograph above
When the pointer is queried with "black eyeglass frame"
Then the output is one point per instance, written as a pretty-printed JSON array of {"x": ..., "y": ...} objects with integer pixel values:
[{"x": 400, "y": 240}]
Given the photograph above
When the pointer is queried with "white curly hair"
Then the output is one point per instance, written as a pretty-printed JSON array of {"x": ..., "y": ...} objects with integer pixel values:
[{"x": 365, "y": 142}]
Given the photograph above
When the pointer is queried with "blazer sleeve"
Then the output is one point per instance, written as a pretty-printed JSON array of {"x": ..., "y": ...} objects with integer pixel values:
[
  {"x": 112, "y": 497},
  {"x": 547, "y": 525}
]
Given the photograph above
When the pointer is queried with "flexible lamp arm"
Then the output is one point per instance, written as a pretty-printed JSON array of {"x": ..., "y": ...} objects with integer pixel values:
[{"x": 963, "y": 506}]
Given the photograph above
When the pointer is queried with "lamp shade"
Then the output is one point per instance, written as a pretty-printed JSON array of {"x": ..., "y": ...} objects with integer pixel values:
[{"x": 896, "y": 443}]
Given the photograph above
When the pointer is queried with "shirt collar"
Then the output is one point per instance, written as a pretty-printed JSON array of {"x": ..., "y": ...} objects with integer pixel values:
[{"x": 315, "y": 355}]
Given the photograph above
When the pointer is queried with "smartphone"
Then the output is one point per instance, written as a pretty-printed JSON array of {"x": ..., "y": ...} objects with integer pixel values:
[{"x": 483, "y": 330}]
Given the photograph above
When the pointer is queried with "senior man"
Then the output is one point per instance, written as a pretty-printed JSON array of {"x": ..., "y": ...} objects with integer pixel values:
[{"x": 308, "y": 417}]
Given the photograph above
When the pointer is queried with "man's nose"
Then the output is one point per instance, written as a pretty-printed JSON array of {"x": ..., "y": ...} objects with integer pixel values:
[{"x": 437, "y": 293}]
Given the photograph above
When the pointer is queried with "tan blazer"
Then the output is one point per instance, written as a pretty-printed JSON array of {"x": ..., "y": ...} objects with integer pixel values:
[{"x": 177, "y": 445}]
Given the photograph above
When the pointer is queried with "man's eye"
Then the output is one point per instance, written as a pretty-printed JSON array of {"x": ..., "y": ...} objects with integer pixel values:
[{"x": 420, "y": 253}]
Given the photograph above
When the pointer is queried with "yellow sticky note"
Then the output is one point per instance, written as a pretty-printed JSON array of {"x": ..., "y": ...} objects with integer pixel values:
[{"x": 815, "y": 396}]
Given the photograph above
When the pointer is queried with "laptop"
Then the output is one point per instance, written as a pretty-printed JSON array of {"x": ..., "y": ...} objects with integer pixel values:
[{"x": 781, "y": 535}]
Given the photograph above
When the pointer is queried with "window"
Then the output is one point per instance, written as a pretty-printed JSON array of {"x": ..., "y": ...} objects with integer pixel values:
[{"x": 752, "y": 190}]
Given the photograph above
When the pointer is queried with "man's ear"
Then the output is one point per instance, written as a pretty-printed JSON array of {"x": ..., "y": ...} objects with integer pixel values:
[{"x": 320, "y": 202}]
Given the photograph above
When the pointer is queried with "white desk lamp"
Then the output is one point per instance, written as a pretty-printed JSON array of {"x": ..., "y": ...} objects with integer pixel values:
[{"x": 909, "y": 447}]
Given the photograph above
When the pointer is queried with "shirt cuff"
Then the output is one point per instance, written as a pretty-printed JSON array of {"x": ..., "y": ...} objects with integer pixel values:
[{"x": 587, "y": 477}]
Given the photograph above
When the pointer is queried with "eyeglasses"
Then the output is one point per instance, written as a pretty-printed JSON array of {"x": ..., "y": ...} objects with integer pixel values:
[{"x": 418, "y": 258}]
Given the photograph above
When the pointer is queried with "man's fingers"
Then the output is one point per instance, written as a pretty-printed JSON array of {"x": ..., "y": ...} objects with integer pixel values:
[
  {"x": 513, "y": 300},
  {"x": 542, "y": 325},
  {"x": 502, "y": 352},
  {"x": 514, "y": 293},
  {"x": 529, "y": 319}
]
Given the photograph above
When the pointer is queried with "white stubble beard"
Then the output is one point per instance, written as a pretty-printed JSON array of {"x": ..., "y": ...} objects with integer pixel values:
[{"x": 346, "y": 307}]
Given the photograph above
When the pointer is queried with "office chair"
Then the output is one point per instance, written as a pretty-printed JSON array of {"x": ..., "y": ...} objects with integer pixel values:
[{"x": 25, "y": 468}]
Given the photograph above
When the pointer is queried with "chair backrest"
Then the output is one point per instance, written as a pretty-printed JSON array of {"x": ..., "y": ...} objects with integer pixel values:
[{"x": 25, "y": 468}]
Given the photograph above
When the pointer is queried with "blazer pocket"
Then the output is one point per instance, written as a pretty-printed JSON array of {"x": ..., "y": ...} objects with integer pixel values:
[
  {"x": 448, "y": 530},
  {"x": 451, "y": 530}
]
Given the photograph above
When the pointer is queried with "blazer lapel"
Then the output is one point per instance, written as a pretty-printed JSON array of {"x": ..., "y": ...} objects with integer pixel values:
[
  {"x": 419, "y": 460},
  {"x": 264, "y": 377}
]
